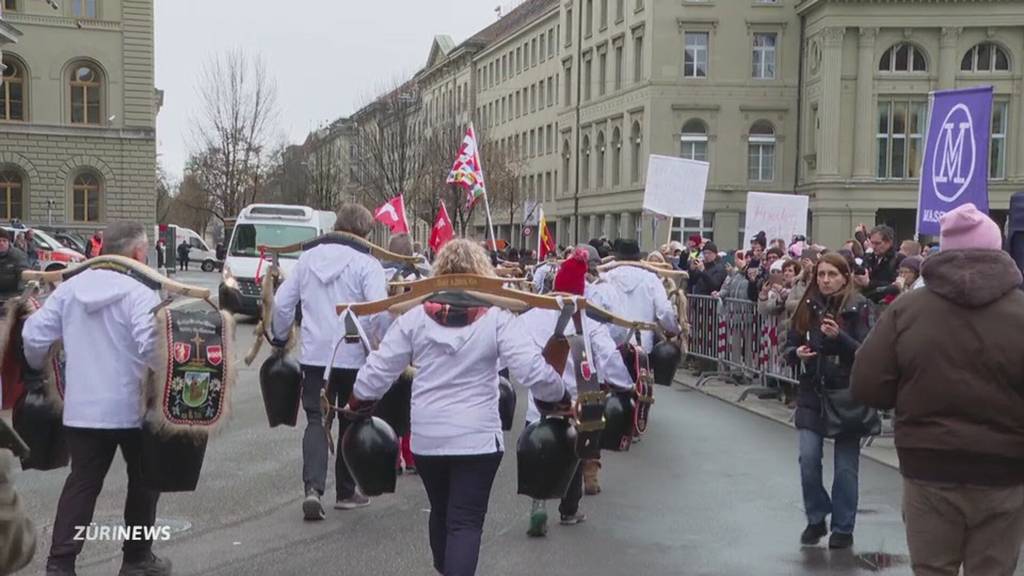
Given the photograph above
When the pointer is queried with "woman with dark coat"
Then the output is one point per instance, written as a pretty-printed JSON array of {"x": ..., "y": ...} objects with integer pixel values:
[{"x": 829, "y": 325}]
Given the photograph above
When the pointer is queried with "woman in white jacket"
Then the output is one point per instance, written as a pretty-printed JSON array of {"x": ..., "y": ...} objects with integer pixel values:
[{"x": 456, "y": 431}]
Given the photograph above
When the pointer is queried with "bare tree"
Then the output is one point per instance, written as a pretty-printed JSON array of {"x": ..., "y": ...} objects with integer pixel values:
[
  {"x": 387, "y": 145},
  {"x": 438, "y": 150},
  {"x": 503, "y": 174},
  {"x": 232, "y": 133},
  {"x": 326, "y": 173}
]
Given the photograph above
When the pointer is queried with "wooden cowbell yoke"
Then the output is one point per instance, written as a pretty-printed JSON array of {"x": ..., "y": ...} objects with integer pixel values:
[{"x": 189, "y": 397}]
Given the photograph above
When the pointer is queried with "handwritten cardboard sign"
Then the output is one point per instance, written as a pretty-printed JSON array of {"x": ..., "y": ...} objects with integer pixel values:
[
  {"x": 676, "y": 186},
  {"x": 778, "y": 215}
]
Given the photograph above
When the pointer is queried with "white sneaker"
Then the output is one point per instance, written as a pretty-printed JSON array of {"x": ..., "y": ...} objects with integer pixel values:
[{"x": 356, "y": 500}]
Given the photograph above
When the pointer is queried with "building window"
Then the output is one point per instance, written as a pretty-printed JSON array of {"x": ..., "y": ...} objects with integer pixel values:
[
  {"x": 764, "y": 56},
  {"x": 590, "y": 18},
  {"x": 568, "y": 85},
  {"x": 997, "y": 147},
  {"x": 585, "y": 166},
  {"x": 551, "y": 91},
  {"x": 639, "y": 5},
  {"x": 12, "y": 91},
  {"x": 616, "y": 157},
  {"x": 705, "y": 227},
  {"x": 533, "y": 52},
  {"x": 696, "y": 61},
  {"x": 619, "y": 10},
  {"x": 568, "y": 26},
  {"x": 901, "y": 127},
  {"x": 638, "y": 59},
  {"x": 903, "y": 57},
  {"x": 551, "y": 43},
  {"x": 10, "y": 195},
  {"x": 635, "y": 160},
  {"x": 602, "y": 73},
  {"x": 588, "y": 77},
  {"x": 604, "y": 15},
  {"x": 600, "y": 159},
  {"x": 985, "y": 57},
  {"x": 543, "y": 48},
  {"x": 11, "y": 5},
  {"x": 85, "y": 198},
  {"x": 566, "y": 157},
  {"x": 86, "y": 89},
  {"x": 694, "y": 140},
  {"x": 83, "y": 8},
  {"x": 618, "y": 67},
  {"x": 761, "y": 161}
]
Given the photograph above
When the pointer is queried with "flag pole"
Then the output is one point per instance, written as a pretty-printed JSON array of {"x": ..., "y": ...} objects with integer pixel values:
[{"x": 487, "y": 204}]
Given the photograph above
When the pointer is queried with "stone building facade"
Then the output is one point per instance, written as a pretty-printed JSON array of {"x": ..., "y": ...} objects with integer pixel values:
[
  {"x": 78, "y": 114},
  {"x": 826, "y": 98}
]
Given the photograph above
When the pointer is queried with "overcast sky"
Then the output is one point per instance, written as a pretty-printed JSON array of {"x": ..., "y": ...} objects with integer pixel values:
[{"x": 328, "y": 57}]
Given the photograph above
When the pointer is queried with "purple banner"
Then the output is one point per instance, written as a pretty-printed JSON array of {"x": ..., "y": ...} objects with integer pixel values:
[{"x": 955, "y": 167}]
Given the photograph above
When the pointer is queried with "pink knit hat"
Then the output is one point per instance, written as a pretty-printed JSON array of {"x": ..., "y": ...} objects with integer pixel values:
[{"x": 967, "y": 228}]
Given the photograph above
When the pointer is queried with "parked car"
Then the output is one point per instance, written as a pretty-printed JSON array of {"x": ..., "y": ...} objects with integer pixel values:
[
  {"x": 67, "y": 238},
  {"x": 52, "y": 254}
]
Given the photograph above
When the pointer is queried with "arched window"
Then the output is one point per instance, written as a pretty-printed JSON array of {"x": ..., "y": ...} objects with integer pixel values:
[
  {"x": 635, "y": 141},
  {"x": 694, "y": 140},
  {"x": 566, "y": 157},
  {"x": 86, "y": 190},
  {"x": 985, "y": 57},
  {"x": 600, "y": 159},
  {"x": 12, "y": 92},
  {"x": 616, "y": 157},
  {"x": 86, "y": 94},
  {"x": 903, "y": 57},
  {"x": 585, "y": 166},
  {"x": 761, "y": 143},
  {"x": 11, "y": 188}
]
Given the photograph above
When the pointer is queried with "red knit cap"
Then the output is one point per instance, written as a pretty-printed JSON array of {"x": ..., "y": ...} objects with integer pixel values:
[{"x": 572, "y": 274}]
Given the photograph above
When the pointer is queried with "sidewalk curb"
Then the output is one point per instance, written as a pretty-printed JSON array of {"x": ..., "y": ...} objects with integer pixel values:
[{"x": 747, "y": 408}]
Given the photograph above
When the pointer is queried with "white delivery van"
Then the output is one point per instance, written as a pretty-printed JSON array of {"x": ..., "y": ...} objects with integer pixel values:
[
  {"x": 265, "y": 225},
  {"x": 198, "y": 250}
]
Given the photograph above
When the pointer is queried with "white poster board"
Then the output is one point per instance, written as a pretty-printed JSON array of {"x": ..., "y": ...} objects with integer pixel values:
[
  {"x": 676, "y": 187},
  {"x": 778, "y": 215},
  {"x": 531, "y": 213}
]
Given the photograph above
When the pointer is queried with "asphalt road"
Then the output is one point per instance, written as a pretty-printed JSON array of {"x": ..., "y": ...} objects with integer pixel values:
[{"x": 711, "y": 490}]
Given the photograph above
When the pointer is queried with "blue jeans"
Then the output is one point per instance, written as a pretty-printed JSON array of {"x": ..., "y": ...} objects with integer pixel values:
[{"x": 843, "y": 503}]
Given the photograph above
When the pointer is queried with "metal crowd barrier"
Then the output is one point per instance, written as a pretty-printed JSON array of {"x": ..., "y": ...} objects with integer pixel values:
[{"x": 745, "y": 345}]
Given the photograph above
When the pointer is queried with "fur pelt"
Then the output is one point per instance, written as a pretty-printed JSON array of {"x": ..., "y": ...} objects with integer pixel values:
[{"x": 17, "y": 311}]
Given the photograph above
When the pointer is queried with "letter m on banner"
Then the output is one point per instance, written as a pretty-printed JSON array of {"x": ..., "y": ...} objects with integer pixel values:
[{"x": 955, "y": 167}]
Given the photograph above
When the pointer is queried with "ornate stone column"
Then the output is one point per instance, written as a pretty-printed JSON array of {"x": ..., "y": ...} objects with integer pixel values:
[
  {"x": 831, "y": 106},
  {"x": 864, "y": 133}
]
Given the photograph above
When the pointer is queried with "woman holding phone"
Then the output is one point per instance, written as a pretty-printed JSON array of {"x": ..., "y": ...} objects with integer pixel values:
[{"x": 829, "y": 325}]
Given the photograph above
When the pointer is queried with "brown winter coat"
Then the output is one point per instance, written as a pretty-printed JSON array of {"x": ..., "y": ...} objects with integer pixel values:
[
  {"x": 17, "y": 535},
  {"x": 950, "y": 359}
]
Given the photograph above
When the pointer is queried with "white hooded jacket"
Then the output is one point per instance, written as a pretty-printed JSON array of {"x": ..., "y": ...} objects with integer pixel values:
[
  {"x": 325, "y": 276},
  {"x": 643, "y": 300},
  {"x": 105, "y": 320}
]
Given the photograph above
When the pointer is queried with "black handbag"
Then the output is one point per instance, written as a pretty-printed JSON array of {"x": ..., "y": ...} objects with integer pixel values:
[{"x": 844, "y": 416}]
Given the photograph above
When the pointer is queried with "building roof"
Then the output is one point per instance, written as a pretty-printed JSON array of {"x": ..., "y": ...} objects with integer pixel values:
[{"x": 522, "y": 15}]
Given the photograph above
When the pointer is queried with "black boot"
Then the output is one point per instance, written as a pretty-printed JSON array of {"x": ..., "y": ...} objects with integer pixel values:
[
  {"x": 813, "y": 533},
  {"x": 839, "y": 541},
  {"x": 153, "y": 565}
]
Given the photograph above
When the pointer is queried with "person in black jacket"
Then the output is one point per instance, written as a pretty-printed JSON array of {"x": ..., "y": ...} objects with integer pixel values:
[
  {"x": 827, "y": 329},
  {"x": 183, "y": 250},
  {"x": 882, "y": 264},
  {"x": 708, "y": 274},
  {"x": 12, "y": 262}
]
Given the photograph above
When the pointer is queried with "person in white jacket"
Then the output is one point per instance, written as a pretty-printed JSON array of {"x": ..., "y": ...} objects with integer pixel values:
[
  {"x": 607, "y": 362},
  {"x": 643, "y": 294},
  {"x": 105, "y": 320},
  {"x": 456, "y": 431},
  {"x": 324, "y": 277}
]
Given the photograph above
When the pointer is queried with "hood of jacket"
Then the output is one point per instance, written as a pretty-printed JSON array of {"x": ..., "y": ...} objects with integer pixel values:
[
  {"x": 468, "y": 322},
  {"x": 971, "y": 278},
  {"x": 628, "y": 279},
  {"x": 329, "y": 261},
  {"x": 97, "y": 289}
]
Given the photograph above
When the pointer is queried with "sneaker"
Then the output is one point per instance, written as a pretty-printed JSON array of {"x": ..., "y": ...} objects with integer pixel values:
[
  {"x": 813, "y": 534},
  {"x": 312, "y": 509},
  {"x": 411, "y": 470},
  {"x": 573, "y": 519},
  {"x": 356, "y": 500},
  {"x": 840, "y": 541},
  {"x": 538, "y": 520},
  {"x": 152, "y": 566}
]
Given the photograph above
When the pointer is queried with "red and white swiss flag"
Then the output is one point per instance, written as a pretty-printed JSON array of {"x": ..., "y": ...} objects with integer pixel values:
[
  {"x": 392, "y": 214},
  {"x": 443, "y": 231}
]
